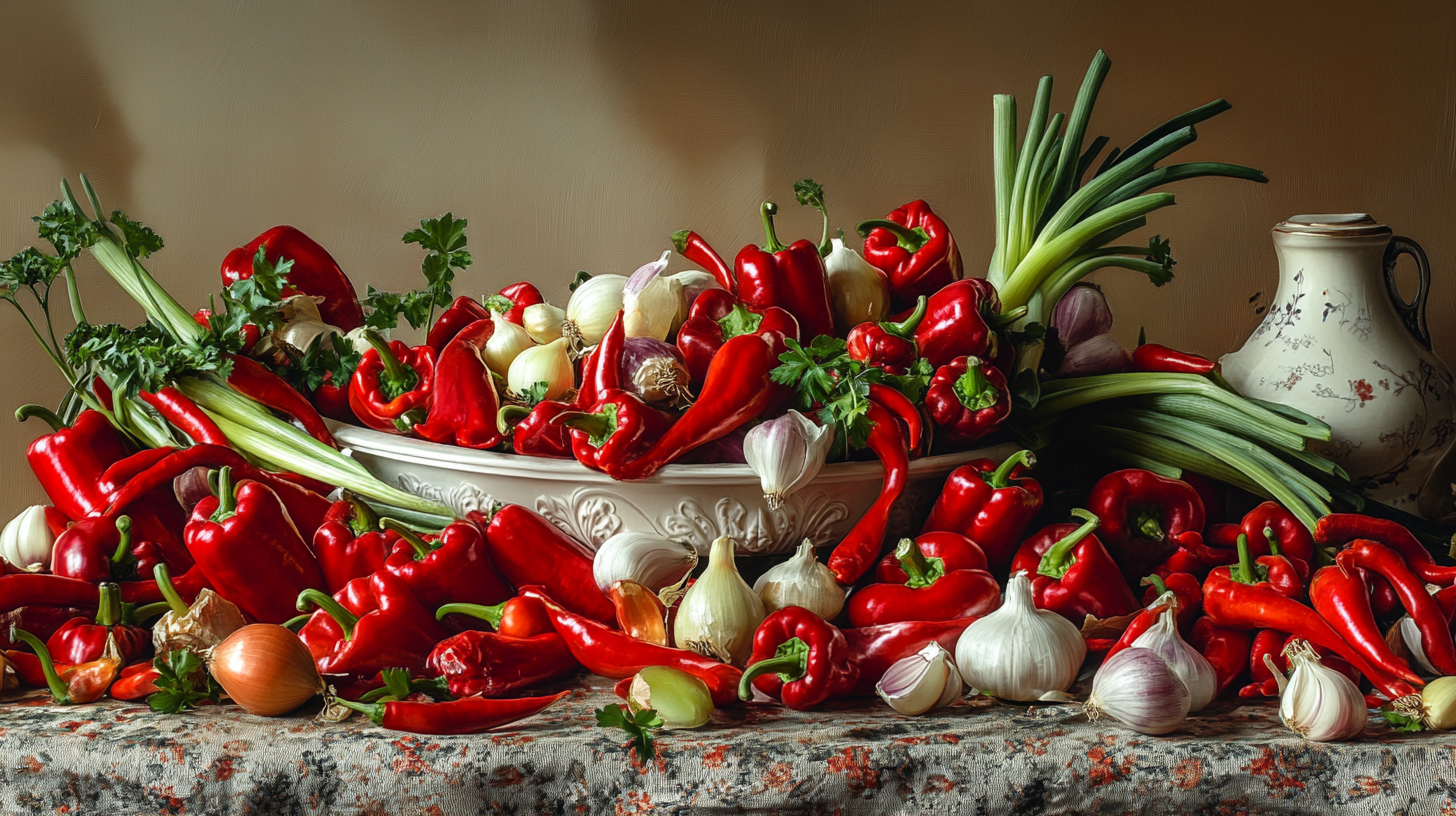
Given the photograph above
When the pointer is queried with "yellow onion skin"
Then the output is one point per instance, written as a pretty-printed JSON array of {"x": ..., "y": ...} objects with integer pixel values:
[{"x": 265, "y": 669}]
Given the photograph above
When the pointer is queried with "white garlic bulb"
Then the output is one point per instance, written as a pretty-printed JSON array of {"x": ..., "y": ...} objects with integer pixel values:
[
  {"x": 801, "y": 581},
  {"x": 1317, "y": 702},
  {"x": 786, "y": 452},
  {"x": 543, "y": 322},
  {"x": 1020, "y": 652},
  {"x": 643, "y": 558},
  {"x": 1163, "y": 639},
  {"x": 1139, "y": 689},
  {"x": 858, "y": 292},
  {"x": 550, "y": 364},
  {"x": 507, "y": 341}
]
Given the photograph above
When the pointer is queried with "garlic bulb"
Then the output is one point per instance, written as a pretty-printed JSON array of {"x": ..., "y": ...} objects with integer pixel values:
[
  {"x": 787, "y": 453},
  {"x": 720, "y": 612},
  {"x": 923, "y": 681},
  {"x": 801, "y": 581},
  {"x": 26, "y": 541},
  {"x": 694, "y": 282},
  {"x": 651, "y": 302},
  {"x": 506, "y": 342},
  {"x": 1438, "y": 704},
  {"x": 1139, "y": 689},
  {"x": 1020, "y": 652},
  {"x": 302, "y": 323},
  {"x": 550, "y": 364},
  {"x": 1192, "y": 668},
  {"x": 543, "y": 322},
  {"x": 591, "y": 310},
  {"x": 858, "y": 292},
  {"x": 1317, "y": 702},
  {"x": 644, "y": 558}
]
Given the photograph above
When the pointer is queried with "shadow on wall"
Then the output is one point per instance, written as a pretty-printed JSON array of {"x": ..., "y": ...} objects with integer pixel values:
[{"x": 55, "y": 96}]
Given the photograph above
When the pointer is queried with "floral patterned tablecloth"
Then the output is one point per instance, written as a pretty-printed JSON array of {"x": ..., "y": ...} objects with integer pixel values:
[{"x": 976, "y": 757}]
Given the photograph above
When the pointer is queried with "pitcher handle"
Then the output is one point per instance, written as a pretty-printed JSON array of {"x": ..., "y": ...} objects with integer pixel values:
[{"x": 1412, "y": 314}]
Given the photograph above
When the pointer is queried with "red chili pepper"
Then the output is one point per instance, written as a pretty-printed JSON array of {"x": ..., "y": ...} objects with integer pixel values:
[
  {"x": 462, "y": 312},
  {"x": 1386, "y": 562},
  {"x": 601, "y": 370},
  {"x": 967, "y": 399},
  {"x": 136, "y": 682},
  {"x": 1340, "y": 596},
  {"x": 1144, "y": 517},
  {"x": 83, "y": 639},
  {"x": 487, "y": 664},
  {"x": 791, "y": 277},
  {"x": 930, "y": 593},
  {"x": 617, "y": 429},
  {"x": 860, "y": 548},
  {"x": 989, "y": 503},
  {"x": 350, "y": 544},
  {"x": 1338, "y": 529},
  {"x": 1225, "y": 648},
  {"x": 955, "y": 323},
  {"x": 73, "y": 684},
  {"x": 1071, "y": 572},
  {"x": 314, "y": 272},
  {"x": 715, "y": 318},
  {"x": 392, "y": 380},
  {"x": 904, "y": 410},
  {"x": 468, "y": 715},
  {"x": 1189, "y": 590},
  {"x": 1144, "y": 621},
  {"x": 520, "y": 295},
  {"x": 531, "y": 432},
  {"x": 516, "y": 618},
  {"x": 28, "y": 670},
  {"x": 528, "y": 549},
  {"x": 464, "y": 405},
  {"x": 69, "y": 462},
  {"x": 915, "y": 248},
  {"x": 378, "y": 623},
  {"x": 876, "y": 648},
  {"x": 28, "y": 589},
  {"x": 451, "y": 567},
  {"x": 799, "y": 659},
  {"x": 184, "y": 413},
  {"x": 1155, "y": 358},
  {"x": 692, "y": 246},
  {"x": 253, "y": 380},
  {"x": 886, "y": 344},
  {"x": 738, "y": 387},
  {"x": 612, "y": 654},
  {"x": 250, "y": 552},
  {"x": 945, "y": 551},
  {"x": 1261, "y": 680}
]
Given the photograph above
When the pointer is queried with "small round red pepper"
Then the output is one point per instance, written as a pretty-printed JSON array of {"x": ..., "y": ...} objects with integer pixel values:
[
  {"x": 967, "y": 399},
  {"x": 887, "y": 345}
]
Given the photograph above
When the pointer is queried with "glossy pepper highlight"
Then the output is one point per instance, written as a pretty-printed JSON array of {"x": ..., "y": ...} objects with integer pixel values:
[
  {"x": 989, "y": 503},
  {"x": 1340, "y": 596},
  {"x": 350, "y": 543},
  {"x": 1071, "y": 572},
  {"x": 799, "y": 659},
  {"x": 791, "y": 277},
  {"x": 392, "y": 380},
  {"x": 930, "y": 593},
  {"x": 957, "y": 323},
  {"x": 914, "y": 247}
]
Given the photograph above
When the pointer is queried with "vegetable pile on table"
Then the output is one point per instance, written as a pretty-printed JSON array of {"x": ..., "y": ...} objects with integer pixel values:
[{"x": 192, "y": 476}]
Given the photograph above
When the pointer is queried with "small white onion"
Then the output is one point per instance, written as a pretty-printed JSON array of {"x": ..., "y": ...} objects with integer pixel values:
[
  {"x": 507, "y": 341},
  {"x": 803, "y": 582},
  {"x": 1139, "y": 689},
  {"x": 549, "y": 364},
  {"x": 591, "y": 310},
  {"x": 543, "y": 322}
]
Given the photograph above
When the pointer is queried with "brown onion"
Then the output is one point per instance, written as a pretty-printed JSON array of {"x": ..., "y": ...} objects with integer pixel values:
[{"x": 266, "y": 669}]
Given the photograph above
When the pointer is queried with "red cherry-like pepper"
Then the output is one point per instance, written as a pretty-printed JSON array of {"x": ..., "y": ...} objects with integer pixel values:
[
  {"x": 1071, "y": 572},
  {"x": 715, "y": 318},
  {"x": 887, "y": 345},
  {"x": 914, "y": 247},
  {"x": 520, "y": 295},
  {"x": 82, "y": 640},
  {"x": 392, "y": 380},
  {"x": 380, "y": 624},
  {"x": 531, "y": 431},
  {"x": 799, "y": 658},
  {"x": 943, "y": 550},
  {"x": 967, "y": 399}
]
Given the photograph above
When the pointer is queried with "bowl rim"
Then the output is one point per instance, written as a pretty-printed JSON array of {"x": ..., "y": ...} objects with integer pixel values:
[{"x": 467, "y": 460}]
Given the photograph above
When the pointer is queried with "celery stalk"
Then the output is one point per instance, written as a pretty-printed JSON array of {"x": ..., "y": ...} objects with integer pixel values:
[
  {"x": 1003, "y": 107},
  {"x": 1015, "y": 230},
  {"x": 1065, "y": 181},
  {"x": 1035, "y": 199},
  {"x": 1177, "y": 172}
]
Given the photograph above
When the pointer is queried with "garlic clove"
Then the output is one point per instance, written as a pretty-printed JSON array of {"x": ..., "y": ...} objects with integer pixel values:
[
  {"x": 543, "y": 322},
  {"x": 651, "y": 302},
  {"x": 858, "y": 292},
  {"x": 720, "y": 612},
  {"x": 550, "y": 364},
  {"x": 921, "y": 682},
  {"x": 507, "y": 341},
  {"x": 653, "y": 562},
  {"x": 1317, "y": 702},
  {"x": 27, "y": 540},
  {"x": 801, "y": 581},
  {"x": 787, "y": 453},
  {"x": 679, "y": 698}
]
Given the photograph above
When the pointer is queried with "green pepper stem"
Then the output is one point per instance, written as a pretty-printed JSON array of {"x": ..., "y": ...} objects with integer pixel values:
[
  {"x": 1001, "y": 477},
  {"x": 1149, "y": 526},
  {"x": 1157, "y": 584},
  {"x": 596, "y": 426},
  {"x": 908, "y": 238},
  {"x": 364, "y": 519},
  {"x": 906, "y": 327},
  {"x": 766, "y": 212},
  {"x": 919, "y": 570},
  {"x": 1058, "y": 558},
  {"x": 343, "y": 617},
  {"x": 397, "y": 377},
  {"x": 1273, "y": 541},
  {"x": 296, "y": 622},
  {"x": 31, "y": 411},
  {"x": 507, "y": 417},
  {"x": 1243, "y": 572},
  {"x": 406, "y": 422},
  {"x": 169, "y": 592},
  {"x": 59, "y": 691},
  {"x": 490, "y": 614},
  {"x": 123, "y": 544},
  {"x": 794, "y": 665},
  {"x": 421, "y": 547},
  {"x": 141, "y": 613},
  {"x": 374, "y": 711},
  {"x": 227, "y": 503},
  {"x": 973, "y": 389},
  {"x": 108, "y": 605}
]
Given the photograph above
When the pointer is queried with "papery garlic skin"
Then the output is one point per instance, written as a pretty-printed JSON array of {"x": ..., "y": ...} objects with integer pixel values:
[
  {"x": 1139, "y": 689},
  {"x": 1163, "y": 639},
  {"x": 507, "y": 341},
  {"x": 786, "y": 453},
  {"x": 209, "y": 620},
  {"x": 644, "y": 558},
  {"x": 302, "y": 323},
  {"x": 651, "y": 302},
  {"x": 26, "y": 541},
  {"x": 550, "y": 364},
  {"x": 1020, "y": 652},
  {"x": 1438, "y": 704},
  {"x": 803, "y": 582},
  {"x": 694, "y": 282},
  {"x": 720, "y": 612},
  {"x": 591, "y": 310},
  {"x": 858, "y": 292},
  {"x": 1410, "y": 633},
  {"x": 543, "y": 322},
  {"x": 922, "y": 682},
  {"x": 1317, "y": 702}
]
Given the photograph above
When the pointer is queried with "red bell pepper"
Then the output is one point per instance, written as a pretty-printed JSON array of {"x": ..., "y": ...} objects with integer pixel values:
[
  {"x": 531, "y": 432},
  {"x": 791, "y": 277},
  {"x": 314, "y": 272},
  {"x": 249, "y": 551},
  {"x": 1340, "y": 596},
  {"x": 450, "y": 567},
  {"x": 860, "y": 548},
  {"x": 799, "y": 659},
  {"x": 692, "y": 246},
  {"x": 915, "y": 248},
  {"x": 930, "y": 593},
  {"x": 1144, "y": 517},
  {"x": 989, "y": 503},
  {"x": 1387, "y": 562},
  {"x": 257, "y": 382},
  {"x": 1189, "y": 590},
  {"x": 469, "y": 715},
  {"x": 1161, "y": 359},
  {"x": 391, "y": 382},
  {"x": 487, "y": 664},
  {"x": 82, "y": 640},
  {"x": 386, "y": 627},
  {"x": 528, "y": 549},
  {"x": 876, "y": 648},
  {"x": 1338, "y": 529},
  {"x": 715, "y": 318},
  {"x": 944, "y": 551},
  {"x": 101, "y": 548},
  {"x": 350, "y": 543},
  {"x": 887, "y": 345},
  {"x": 462, "y": 312},
  {"x": 957, "y": 323},
  {"x": 1071, "y": 572},
  {"x": 69, "y": 462},
  {"x": 612, "y": 654},
  {"x": 967, "y": 399},
  {"x": 617, "y": 429},
  {"x": 518, "y": 617},
  {"x": 464, "y": 405},
  {"x": 519, "y": 296},
  {"x": 1225, "y": 648}
]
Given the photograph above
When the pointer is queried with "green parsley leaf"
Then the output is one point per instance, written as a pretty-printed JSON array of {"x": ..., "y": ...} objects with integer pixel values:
[
  {"x": 444, "y": 241},
  {"x": 916, "y": 382},
  {"x": 638, "y": 727},
  {"x": 143, "y": 358},
  {"x": 66, "y": 229},
  {"x": 29, "y": 267},
  {"x": 1161, "y": 252},
  {"x": 255, "y": 300},
  {"x": 388, "y": 307},
  {"x": 138, "y": 239},
  {"x": 535, "y": 394},
  {"x": 825, "y": 378},
  {"x": 328, "y": 358},
  {"x": 184, "y": 683},
  {"x": 582, "y": 276},
  {"x": 1402, "y": 722}
]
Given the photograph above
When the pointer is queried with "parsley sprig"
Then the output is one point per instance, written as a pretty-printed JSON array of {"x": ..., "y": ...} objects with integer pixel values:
[
  {"x": 184, "y": 683},
  {"x": 329, "y": 358},
  {"x": 256, "y": 300},
  {"x": 443, "y": 240},
  {"x": 827, "y": 380},
  {"x": 638, "y": 726}
]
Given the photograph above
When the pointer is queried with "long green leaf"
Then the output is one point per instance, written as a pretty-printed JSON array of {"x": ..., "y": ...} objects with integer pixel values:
[
  {"x": 1003, "y": 107},
  {"x": 1202, "y": 113},
  {"x": 1177, "y": 172},
  {"x": 1077, "y": 129},
  {"x": 1024, "y": 161}
]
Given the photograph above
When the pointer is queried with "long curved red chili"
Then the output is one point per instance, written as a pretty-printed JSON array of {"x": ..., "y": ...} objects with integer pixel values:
[
  {"x": 861, "y": 547},
  {"x": 186, "y": 415},
  {"x": 255, "y": 381},
  {"x": 901, "y": 406}
]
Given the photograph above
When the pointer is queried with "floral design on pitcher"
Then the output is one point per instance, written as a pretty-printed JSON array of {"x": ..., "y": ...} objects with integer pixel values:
[
  {"x": 1361, "y": 392},
  {"x": 1415, "y": 439},
  {"x": 1357, "y": 324},
  {"x": 1289, "y": 376},
  {"x": 1285, "y": 316}
]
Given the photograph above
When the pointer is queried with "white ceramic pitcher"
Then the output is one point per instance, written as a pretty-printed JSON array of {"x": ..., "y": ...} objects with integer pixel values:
[{"x": 1340, "y": 343}]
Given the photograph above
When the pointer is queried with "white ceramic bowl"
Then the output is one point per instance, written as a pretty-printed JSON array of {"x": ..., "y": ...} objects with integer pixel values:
[{"x": 691, "y": 503}]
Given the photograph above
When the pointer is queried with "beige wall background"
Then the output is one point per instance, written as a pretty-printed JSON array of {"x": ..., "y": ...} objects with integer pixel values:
[{"x": 579, "y": 135}]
